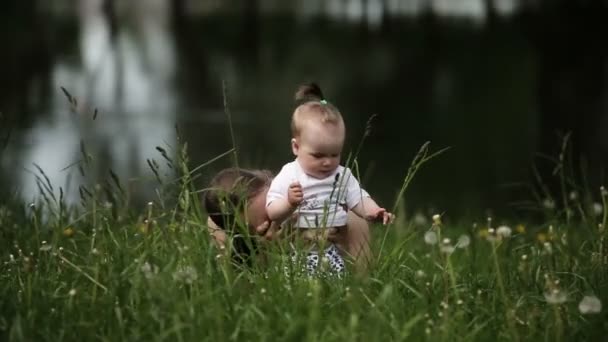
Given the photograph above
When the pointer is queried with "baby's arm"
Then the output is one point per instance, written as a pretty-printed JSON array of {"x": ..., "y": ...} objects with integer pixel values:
[
  {"x": 280, "y": 209},
  {"x": 284, "y": 195},
  {"x": 371, "y": 211},
  {"x": 362, "y": 204}
]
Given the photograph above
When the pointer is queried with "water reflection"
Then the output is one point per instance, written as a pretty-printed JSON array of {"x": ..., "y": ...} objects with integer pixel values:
[
  {"x": 495, "y": 90},
  {"x": 128, "y": 77}
]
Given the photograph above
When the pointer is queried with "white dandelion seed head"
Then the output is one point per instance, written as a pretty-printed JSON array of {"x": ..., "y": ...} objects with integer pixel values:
[
  {"x": 503, "y": 232},
  {"x": 419, "y": 219},
  {"x": 491, "y": 231},
  {"x": 428, "y": 284},
  {"x": 555, "y": 297},
  {"x": 459, "y": 302},
  {"x": 440, "y": 314},
  {"x": 548, "y": 203},
  {"x": 463, "y": 241},
  {"x": 72, "y": 292},
  {"x": 548, "y": 247},
  {"x": 420, "y": 274},
  {"x": 263, "y": 290},
  {"x": 447, "y": 249},
  {"x": 564, "y": 239},
  {"x": 185, "y": 275},
  {"x": 573, "y": 195},
  {"x": 45, "y": 248},
  {"x": 437, "y": 219},
  {"x": 524, "y": 257},
  {"x": 427, "y": 331},
  {"x": 430, "y": 238},
  {"x": 590, "y": 305},
  {"x": 446, "y": 241},
  {"x": 598, "y": 208}
]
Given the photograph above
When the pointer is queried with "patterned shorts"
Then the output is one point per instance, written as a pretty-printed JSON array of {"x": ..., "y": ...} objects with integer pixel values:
[{"x": 327, "y": 262}]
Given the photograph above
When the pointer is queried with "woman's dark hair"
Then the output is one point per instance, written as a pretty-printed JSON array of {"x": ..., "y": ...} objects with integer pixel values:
[
  {"x": 227, "y": 195},
  {"x": 229, "y": 190}
]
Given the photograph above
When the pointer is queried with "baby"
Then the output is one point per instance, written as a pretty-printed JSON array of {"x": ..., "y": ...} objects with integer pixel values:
[{"x": 315, "y": 186}]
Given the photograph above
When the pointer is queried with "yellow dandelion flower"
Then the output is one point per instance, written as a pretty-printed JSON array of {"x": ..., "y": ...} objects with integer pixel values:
[
  {"x": 541, "y": 237},
  {"x": 520, "y": 228},
  {"x": 68, "y": 232},
  {"x": 144, "y": 228},
  {"x": 483, "y": 233}
]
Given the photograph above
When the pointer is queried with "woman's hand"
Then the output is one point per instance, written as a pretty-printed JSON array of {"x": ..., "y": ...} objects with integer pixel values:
[{"x": 269, "y": 231}]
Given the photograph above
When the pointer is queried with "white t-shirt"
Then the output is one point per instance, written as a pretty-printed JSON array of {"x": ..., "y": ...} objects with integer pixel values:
[{"x": 326, "y": 201}]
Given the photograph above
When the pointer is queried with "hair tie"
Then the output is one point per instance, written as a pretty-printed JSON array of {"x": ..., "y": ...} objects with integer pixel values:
[{"x": 323, "y": 102}]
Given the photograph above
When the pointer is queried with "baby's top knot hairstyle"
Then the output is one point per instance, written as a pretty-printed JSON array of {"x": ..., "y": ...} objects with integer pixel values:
[{"x": 311, "y": 104}]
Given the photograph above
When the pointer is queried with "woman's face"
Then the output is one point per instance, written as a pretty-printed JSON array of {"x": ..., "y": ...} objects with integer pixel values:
[{"x": 256, "y": 210}]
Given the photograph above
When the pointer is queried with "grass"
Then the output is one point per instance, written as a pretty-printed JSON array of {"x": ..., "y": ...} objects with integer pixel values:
[{"x": 107, "y": 271}]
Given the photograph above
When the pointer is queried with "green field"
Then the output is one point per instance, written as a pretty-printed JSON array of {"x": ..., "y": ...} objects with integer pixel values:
[{"x": 104, "y": 270}]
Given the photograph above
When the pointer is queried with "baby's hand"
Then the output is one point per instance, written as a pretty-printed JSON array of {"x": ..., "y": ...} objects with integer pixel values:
[
  {"x": 295, "y": 196},
  {"x": 381, "y": 215}
]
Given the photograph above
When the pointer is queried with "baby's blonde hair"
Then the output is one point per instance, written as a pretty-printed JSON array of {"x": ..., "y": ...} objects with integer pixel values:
[{"x": 313, "y": 107}]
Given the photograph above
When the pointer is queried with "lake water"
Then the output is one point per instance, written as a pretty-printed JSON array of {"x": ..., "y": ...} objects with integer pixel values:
[{"x": 495, "y": 87}]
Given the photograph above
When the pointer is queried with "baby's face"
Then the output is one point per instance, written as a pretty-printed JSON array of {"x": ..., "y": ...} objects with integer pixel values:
[{"x": 318, "y": 148}]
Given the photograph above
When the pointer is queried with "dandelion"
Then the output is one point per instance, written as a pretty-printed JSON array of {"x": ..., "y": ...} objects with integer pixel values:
[
  {"x": 573, "y": 195},
  {"x": 420, "y": 220},
  {"x": 68, "y": 232},
  {"x": 549, "y": 204},
  {"x": 72, "y": 292},
  {"x": 491, "y": 235},
  {"x": 149, "y": 270},
  {"x": 420, "y": 274},
  {"x": 556, "y": 296},
  {"x": 446, "y": 247},
  {"x": 548, "y": 247},
  {"x": 541, "y": 237},
  {"x": 597, "y": 209},
  {"x": 45, "y": 248},
  {"x": 520, "y": 228},
  {"x": 144, "y": 228},
  {"x": 603, "y": 191},
  {"x": 95, "y": 251},
  {"x": 463, "y": 241},
  {"x": 185, "y": 275},
  {"x": 590, "y": 305},
  {"x": 437, "y": 219},
  {"x": 430, "y": 238},
  {"x": 263, "y": 291},
  {"x": 503, "y": 232},
  {"x": 524, "y": 257},
  {"x": 459, "y": 302},
  {"x": 483, "y": 233}
]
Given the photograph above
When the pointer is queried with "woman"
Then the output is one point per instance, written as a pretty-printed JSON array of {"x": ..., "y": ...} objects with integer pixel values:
[{"x": 237, "y": 197}]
